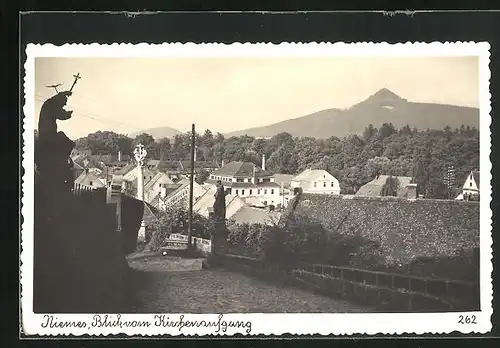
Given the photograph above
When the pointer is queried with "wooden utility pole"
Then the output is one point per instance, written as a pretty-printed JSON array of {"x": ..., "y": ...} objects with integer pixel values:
[{"x": 191, "y": 179}]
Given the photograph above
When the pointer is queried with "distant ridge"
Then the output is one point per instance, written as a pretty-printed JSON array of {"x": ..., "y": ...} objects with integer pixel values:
[
  {"x": 158, "y": 133},
  {"x": 384, "y": 106}
]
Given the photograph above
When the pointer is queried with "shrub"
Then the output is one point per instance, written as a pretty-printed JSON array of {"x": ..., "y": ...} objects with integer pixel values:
[
  {"x": 174, "y": 220},
  {"x": 303, "y": 240}
]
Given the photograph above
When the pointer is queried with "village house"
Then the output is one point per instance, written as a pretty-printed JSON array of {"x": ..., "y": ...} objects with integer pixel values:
[
  {"x": 178, "y": 169},
  {"x": 154, "y": 186},
  {"x": 90, "y": 180},
  {"x": 130, "y": 180},
  {"x": 153, "y": 164},
  {"x": 77, "y": 169},
  {"x": 80, "y": 152},
  {"x": 315, "y": 181},
  {"x": 113, "y": 162},
  {"x": 205, "y": 203},
  {"x": 252, "y": 215},
  {"x": 406, "y": 189},
  {"x": 245, "y": 179},
  {"x": 180, "y": 195},
  {"x": 470, "y": 188},
  {"x": 198, "y": 166}
]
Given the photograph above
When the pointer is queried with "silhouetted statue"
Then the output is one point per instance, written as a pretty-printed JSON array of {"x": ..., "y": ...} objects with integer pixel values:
[
  {"x": 53, "y": 149},
  {"x": 220, "y": 203}
]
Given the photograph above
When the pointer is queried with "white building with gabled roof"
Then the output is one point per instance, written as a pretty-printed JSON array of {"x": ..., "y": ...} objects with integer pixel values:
[
  {"x": 470, "y": 188},
  {"x": 316, "y": 181},
  {"x": 245, "y": 179}
]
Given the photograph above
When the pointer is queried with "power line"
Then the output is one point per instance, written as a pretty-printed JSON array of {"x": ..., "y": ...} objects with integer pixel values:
[{"x": 92, "y": 115}]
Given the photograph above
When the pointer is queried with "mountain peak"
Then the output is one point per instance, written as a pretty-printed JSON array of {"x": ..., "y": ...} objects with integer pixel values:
[{"x": 385, "y": 94}]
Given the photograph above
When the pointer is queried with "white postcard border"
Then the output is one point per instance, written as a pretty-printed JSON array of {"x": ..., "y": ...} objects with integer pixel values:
[{"x": 258, "y": 323}]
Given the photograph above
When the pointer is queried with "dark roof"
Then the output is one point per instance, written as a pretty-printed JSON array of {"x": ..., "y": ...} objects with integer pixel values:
[
  {"x": 476, "y": 177},
  {"x": 241, "y": 170},
  {"x": 124, "y": 170},
  {"x": 150, "y": 214},
  {"x": 170, "y": 166},
  {"x": 186, "y": 165},
  {"x": 244, "y": 184},
  {"x": 251, "y": 215},
  {"x": 153, "y": 162},
  {"x": 77, "y": 165},
  {"x": 155, "y": 201}
]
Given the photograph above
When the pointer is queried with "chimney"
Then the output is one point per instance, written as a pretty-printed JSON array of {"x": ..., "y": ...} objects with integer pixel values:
[
  {"x": 119, "y": 156},
  {"x": 263, "y": 161}
]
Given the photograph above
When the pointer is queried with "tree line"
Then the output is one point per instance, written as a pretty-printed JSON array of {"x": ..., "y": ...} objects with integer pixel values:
[{"x": 424, "y": 155}]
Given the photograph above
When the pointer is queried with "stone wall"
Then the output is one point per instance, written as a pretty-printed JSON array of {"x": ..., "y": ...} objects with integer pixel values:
[
  {"x": 404, "y": 230},
  {"x": 204, "y": 246},
  {"x": 79, "y": 261},
  {"x": 381, "y": 291}
]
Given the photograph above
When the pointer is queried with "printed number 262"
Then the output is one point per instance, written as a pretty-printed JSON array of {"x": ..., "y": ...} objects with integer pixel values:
[{"x": 466, "y": 319}]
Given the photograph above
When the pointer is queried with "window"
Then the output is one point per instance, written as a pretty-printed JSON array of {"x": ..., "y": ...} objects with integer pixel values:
[
  {"x": 91, "y": 182},
  {"x": 242, "y": 192},
  {"x": 250, "y": 192},
  {"x": 258, "y": 191},
  {"x": 324, "y": 184},
  {"x": 470, "y": 184},
  {"x": 265, "y": 191},
  {"x": 267, "y": 180},
  {"x": 272, "y": 191},
  {"x": 314, "y": 184},
  {"x": 332, "y": 183},
  {"x": 239, "y": 180},
  {"x": 236, "y": 191}
]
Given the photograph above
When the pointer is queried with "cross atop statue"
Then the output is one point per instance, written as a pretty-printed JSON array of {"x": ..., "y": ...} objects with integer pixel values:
[
  {"x": 77, "y": 77},
  {"x": 140, "y": 154}
]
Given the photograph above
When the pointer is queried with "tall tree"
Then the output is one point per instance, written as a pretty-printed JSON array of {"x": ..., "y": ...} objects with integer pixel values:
[
  {"x": 145, "y": 139},
  {"x": 390, "y": 187}
]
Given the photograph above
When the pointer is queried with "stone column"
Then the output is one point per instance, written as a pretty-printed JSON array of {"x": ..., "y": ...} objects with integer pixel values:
[{"x": 140, "y": 154}]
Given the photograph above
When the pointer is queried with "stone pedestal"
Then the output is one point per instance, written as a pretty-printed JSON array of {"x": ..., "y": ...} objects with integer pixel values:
[{"x": 219, "y": 244}]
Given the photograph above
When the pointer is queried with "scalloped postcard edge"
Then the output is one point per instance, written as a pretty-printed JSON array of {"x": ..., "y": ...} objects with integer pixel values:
[{"x": 256, "y": 323}]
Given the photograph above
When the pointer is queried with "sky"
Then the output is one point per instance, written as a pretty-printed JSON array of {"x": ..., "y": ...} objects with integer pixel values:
[{"x": 231, "y": 93}]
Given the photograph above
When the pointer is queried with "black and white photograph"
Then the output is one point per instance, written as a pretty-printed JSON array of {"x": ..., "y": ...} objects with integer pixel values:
[{"x": 242, "y": 181}]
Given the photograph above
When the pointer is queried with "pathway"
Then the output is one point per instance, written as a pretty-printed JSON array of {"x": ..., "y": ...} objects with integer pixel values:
[{"x": 174, "y": 285}]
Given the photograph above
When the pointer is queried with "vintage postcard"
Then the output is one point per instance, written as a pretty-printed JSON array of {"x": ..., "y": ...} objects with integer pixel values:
[{"x": 324, "y": 188}]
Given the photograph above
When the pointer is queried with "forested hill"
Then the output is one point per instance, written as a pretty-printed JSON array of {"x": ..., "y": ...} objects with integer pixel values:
[
  {"x": 158, "y": 133},
  {"x": 382, "y": 107},
  {"x": 353, "y": 159}
]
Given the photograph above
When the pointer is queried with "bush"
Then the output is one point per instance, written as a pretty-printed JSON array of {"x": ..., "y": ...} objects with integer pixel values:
[
  {"x": 174, "y": 220},
  {"x": 303, "y": 240}
]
